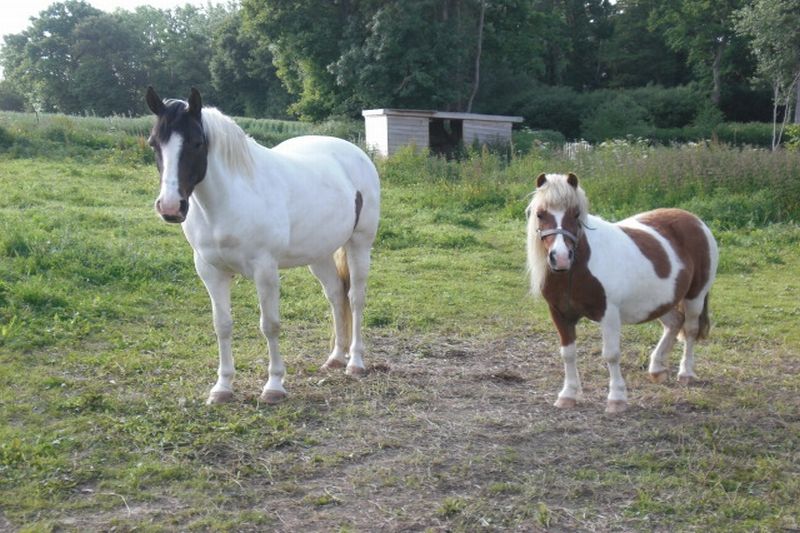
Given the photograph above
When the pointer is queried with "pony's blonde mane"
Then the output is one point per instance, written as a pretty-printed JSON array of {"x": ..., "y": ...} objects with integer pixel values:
[
  {"x": 554, "y": 194},
  {"x": 228, "y": 141}
]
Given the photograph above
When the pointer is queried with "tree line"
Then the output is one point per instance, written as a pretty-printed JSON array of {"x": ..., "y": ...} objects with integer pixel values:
[{"x": 313, "y": 59}]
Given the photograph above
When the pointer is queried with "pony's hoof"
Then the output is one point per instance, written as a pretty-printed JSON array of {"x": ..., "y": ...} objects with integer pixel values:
[
  {"x": 220, "y": 396},
  {"x": 616, "y": 406},
  {"x": 356, "y": 371},
  {"x": 566, "y": 403},
  {"x": 686, "y": 380},
  {"x": 272, "y": 397},
  {"x": 333, "y": 364},
  {"x": 658, "y": 377}
]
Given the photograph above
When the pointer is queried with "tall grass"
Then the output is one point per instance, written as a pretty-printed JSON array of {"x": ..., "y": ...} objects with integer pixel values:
[{"x": 727, "y": 186}]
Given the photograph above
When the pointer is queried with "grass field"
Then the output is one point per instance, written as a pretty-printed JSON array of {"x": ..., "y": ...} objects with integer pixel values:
[{"x": 107, "y": 353}]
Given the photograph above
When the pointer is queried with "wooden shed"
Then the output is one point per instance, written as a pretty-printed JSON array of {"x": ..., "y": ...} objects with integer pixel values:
[{"x": 387, "y": 130}]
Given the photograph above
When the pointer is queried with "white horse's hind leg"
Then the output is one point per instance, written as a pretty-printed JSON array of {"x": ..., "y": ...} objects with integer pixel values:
[
  {"x": 617, "y": 391},
  {"x": 268, "y": 286},
  {"x": 358, "y": 260},
  {"x": 672, "y": 322},
  {"x": 691, "y": 327},
  {"x": 218, "y": 285},
  {"x": 326, "y": 273}
]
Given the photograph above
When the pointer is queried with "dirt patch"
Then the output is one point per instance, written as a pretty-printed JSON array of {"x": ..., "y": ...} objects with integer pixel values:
[{"x": 449, "y": 434}]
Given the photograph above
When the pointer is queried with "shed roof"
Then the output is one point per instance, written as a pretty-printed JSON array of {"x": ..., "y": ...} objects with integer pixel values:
[{"x": 439, "y": 114}]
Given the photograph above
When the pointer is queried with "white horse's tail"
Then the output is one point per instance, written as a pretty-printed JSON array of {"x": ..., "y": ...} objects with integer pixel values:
[{"x": 346, "y": 317}]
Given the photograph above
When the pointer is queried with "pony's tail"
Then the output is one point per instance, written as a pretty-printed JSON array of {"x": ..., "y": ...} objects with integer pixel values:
[
  {"x": 704, "y": 323},
  {"x": 346, "y": 316}
]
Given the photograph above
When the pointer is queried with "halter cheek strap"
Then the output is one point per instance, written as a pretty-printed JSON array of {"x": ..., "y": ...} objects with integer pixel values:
[{"x": 558, "y": 231}]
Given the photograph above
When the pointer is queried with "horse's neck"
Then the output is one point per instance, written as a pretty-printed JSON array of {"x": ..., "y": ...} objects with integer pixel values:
[{"x": 223, "y": 184}]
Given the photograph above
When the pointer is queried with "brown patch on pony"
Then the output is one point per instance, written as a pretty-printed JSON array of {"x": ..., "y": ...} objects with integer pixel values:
[
  {"x": 651, "y": 249},
  {"x": 359, "y": 205},
  {"x": 574, "y": 294},
  {"x": 684, "y": 231}
]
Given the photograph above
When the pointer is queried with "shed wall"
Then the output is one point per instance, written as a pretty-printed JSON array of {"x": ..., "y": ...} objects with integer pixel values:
[{"x": 486, "y": 132}]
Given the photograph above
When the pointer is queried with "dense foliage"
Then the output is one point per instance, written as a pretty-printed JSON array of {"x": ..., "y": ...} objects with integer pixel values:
[{"x": 568, "y": 65}]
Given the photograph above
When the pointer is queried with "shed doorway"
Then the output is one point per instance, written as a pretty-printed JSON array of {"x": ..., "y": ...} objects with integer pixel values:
[{"x": 446, "y": 136}]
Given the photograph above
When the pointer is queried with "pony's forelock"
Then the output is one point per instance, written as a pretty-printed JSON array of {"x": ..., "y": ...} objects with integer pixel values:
[{"x": 554, "y": 194}]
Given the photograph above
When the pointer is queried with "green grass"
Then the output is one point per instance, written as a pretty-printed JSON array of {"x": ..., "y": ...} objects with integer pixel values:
[{"x": 107, "y": 353}]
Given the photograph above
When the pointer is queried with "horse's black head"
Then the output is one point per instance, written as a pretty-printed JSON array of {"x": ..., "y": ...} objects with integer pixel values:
[{"x": 181, "y": 150}]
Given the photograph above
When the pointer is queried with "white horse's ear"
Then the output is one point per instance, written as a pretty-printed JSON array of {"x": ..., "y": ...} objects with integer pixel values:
[
  {"x": 541, "y": 180},
  {"x": 154, "y": 101},
  {"x": 195, "y": 103},
  {"x": 572, "y": 179}
]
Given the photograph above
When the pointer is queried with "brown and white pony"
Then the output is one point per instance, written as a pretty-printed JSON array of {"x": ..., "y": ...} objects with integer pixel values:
[{"x": 655, "y": 265}]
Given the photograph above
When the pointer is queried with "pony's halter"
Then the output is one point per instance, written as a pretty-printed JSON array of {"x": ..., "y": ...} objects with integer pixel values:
[{"x": 558, "y": 231}]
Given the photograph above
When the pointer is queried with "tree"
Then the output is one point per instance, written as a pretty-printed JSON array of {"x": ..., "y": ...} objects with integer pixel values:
[
  {"x": 703, "y": 29},
  {"x": 242, "y": 72},
  {"x": 635, "y": 55},
  {"x": 304, "y": 38},
  {"x": 42, "y": 57},
  {"x": 773, "y": 27}
]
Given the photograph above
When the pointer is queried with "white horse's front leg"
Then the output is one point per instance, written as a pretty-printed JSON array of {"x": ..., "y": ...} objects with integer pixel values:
[
  {"x": 268, "y": 286},
  {"x": 617, "y": 391},
  {"x": 218, "y": 285}
]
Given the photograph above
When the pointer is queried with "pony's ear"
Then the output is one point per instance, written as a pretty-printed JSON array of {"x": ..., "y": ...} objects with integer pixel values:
[
  {"x": 541, "y": 180},
  {"x": 154, "y": 101},
  {"x": 572, "y": 179},
  {"x": 195, "y": 103}
]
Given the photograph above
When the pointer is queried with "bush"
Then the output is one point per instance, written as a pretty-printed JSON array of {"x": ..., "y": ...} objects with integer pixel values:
[{"x": 616, "y": 119}]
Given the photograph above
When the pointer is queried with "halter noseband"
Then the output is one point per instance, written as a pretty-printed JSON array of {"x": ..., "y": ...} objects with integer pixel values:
[{"x": 558, "y": 231}]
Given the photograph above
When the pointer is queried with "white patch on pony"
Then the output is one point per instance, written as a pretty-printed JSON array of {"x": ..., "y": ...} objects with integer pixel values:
[
  {"x": 169, "y": 198},
  {"x": 560, "y": 249}
]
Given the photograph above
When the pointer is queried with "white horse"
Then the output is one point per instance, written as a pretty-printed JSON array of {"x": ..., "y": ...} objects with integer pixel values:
[
  {"x": 246, "y": 209},
  {"x": 655, "y": 265}
]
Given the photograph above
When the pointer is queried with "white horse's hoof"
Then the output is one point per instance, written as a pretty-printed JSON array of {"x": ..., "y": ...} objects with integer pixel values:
[
  {"x": 566, "y": 403},
  {"x": 272, "y": 397},
  {"x": 658, "y": 377},
  {"x": 333, "y": 364},
  {"x": 616, "y": 406},
  {"x": 356, "y": 371},
  {"x": 686, "y": 380},
  {"x": 220, "y": 396}
]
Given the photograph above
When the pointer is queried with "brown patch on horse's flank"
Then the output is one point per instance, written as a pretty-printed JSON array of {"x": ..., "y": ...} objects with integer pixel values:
[
  {"x": 685, "y": 233},
  {"x": 359, "y": 205},
  {"x": 651, "y": 249}
]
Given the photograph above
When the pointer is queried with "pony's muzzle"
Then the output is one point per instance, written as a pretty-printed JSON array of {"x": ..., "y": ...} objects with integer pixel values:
[{"x": 559, "y": 262}]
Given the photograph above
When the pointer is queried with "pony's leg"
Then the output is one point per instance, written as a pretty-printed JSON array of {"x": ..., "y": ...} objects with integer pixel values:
[
  {"x": 218, "y": 285},
  {"x": 358, "y": 261},
  {"x": 332, "y": 285},
  {"x": 672, "y": 322},
  {"x": 572, "y": 389},
  {"x": 268, "y": 287},
  {"x": 691, "y": 327},
  {"x": 617, "y": 391}
]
